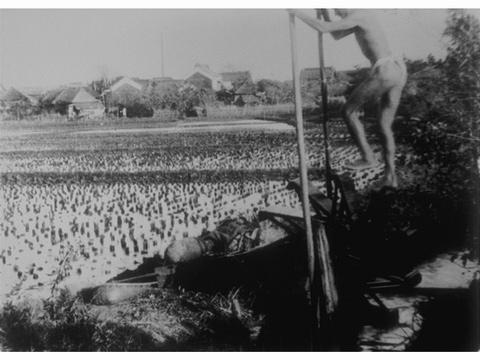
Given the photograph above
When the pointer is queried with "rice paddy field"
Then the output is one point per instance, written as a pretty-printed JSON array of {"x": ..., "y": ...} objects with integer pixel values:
[{"x": 106, "y": 197}]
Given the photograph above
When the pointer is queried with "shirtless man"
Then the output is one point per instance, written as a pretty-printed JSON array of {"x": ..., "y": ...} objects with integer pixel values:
[{"x": 385, "y": 82}]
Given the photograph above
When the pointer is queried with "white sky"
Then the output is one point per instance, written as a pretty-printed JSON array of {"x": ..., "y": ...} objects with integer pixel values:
[{"x": 50, "y": 47}]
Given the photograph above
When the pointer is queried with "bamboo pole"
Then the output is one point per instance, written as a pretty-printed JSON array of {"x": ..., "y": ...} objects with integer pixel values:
[
  {"x": 329, "y": 295},
  {"x": 324, "y": 92},
  {"x": 302, "y": 157}
]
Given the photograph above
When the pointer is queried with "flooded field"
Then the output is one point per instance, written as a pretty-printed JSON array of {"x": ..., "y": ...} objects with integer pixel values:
[{"x": 106, "y": 200}]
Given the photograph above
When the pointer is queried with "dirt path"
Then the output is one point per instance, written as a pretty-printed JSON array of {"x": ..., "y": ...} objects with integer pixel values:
[{"x": 203, "y": 126}]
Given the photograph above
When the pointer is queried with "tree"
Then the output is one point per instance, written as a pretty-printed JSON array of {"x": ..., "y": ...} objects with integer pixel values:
[
  {"x": 225, "y": 96},
  {"x": 186, "y": 100},
  {"x": 462, "y": 70},
  {"x": 162, "y": 95},
  {"x": 191, "y": 98},
  {"x": 271, "y": 90},
  {"x": 103, "y": 82},
  {"x": 21, "y": 109},
  {"x": 421, "y": 93},
  {"x": 440, "y": 106}
]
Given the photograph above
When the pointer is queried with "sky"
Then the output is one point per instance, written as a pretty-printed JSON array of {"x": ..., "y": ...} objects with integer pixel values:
[{"x": 46, "y": 47}]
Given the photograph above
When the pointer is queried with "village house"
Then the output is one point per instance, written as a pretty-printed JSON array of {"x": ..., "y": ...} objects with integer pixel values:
[
  {"x": 204, "y": 78},
  {"x": 337, "y": 81},
  {"x": 78, "y": 101},
  {"x": 165, "y": 80},
  {"x": 47, "y": 98},
  {"x": 235, "y": 79},
  {"x": 162, "y": 85},
  {"x": 13, "y": 95},
  {"x": 246, "y": 94},
  {"x": 123, "y": 93},
  {"x": 240, "y": 83},
  {"x": 128, "y": 85},
  {"x": 17, "y": 102},
  {"x": 242, "y": 86},
  {"x": 313, "y": 74}
]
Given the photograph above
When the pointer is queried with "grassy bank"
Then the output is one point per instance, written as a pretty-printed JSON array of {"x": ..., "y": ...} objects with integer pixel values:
[{"x": 156, "y": 320}]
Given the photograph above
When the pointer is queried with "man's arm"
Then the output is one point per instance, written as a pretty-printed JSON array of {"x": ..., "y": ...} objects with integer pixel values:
[
  {"x": 339, "y": 34},
  {"x": 348, "y": 23}
]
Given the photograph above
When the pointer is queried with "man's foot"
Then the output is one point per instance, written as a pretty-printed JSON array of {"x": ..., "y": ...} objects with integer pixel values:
[{"x": 360, "y": 164}]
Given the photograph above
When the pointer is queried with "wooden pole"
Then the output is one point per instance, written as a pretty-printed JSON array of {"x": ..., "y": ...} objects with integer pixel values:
[
  {"x": 324, "y": 92},
  {"x": 302, "y": 159}
]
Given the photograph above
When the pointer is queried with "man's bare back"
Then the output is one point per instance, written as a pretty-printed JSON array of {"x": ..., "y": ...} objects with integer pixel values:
[{"x": 384, "y": 83}]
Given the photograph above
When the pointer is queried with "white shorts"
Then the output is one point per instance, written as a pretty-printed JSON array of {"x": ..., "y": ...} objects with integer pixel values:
[{"x": 390, "y": 60}]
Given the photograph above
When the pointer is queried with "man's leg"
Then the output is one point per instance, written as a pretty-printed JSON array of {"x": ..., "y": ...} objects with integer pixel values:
[
  {"x": 387, "y": 109},
  {"x": 366, "y": 90}
]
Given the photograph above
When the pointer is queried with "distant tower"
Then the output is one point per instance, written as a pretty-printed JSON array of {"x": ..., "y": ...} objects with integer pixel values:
[{"x": 163, "y": 60}]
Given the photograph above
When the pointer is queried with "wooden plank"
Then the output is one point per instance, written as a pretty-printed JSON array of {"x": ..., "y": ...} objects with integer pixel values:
[
  {"x": 321, "y": 203},
  {"x": 296, "y": 185},
  {"x": 446, "y": 275},
  {"x": 282, "y": 212}
]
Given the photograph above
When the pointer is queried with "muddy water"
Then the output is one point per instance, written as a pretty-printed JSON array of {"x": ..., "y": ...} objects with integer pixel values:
[
  {"x": 110, "y": 228},
  {"x": 106, "y": 227}
]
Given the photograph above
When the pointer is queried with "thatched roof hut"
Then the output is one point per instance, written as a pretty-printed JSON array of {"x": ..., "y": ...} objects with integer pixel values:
[
  {"x": 73, "y": 95},
  {"x": 82, "y": 98},
  {"x": 125, "y": 92},
  {"x": 133, "y": 84},
  {"x": 204, "y": 78},
  {"x": 236, "y": 79},
  {"x": 338, "y": 82},
  {"x": 49, "y": 96},
  {"x": 13, "y": 95}
]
